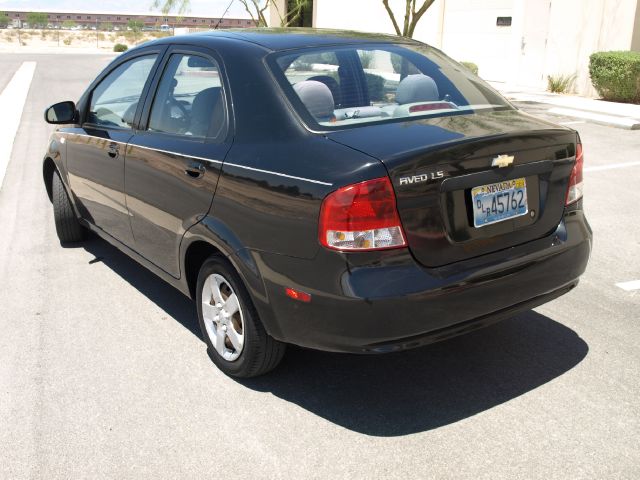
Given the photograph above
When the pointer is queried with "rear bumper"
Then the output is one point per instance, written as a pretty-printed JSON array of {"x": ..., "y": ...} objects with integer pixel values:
[{"x": 374, "y": 304}]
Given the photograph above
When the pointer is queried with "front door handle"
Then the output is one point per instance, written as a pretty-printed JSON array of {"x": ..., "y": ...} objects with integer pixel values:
[
  {"x": 195, "y": 170},
  {"x": 114, "y": 150}
]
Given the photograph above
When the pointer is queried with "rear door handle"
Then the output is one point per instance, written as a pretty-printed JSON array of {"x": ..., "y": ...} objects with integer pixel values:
[
  {"x": 195, "y": 170},
  {"x": 114, "y": 150}
]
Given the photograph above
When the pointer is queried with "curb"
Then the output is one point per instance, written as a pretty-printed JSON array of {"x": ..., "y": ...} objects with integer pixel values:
[{"x": 609, "y": 120}]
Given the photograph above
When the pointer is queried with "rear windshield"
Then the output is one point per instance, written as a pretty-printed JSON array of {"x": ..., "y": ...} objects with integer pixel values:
[{"x": 336, "y": 87}]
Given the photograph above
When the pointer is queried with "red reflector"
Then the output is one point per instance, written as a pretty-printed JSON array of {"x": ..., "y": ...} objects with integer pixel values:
[
  {"x": 429, "y": 106},
  {"x": 298, "y": 295}
]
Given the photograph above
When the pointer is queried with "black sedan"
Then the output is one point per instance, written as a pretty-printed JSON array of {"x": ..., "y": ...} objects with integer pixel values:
[{"x": 334, "y": 190}]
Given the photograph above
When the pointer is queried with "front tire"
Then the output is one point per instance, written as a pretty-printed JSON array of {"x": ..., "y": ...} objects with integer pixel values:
[
  {"x": 237, "y": 342},
  {"x": 68, "y": 227}
]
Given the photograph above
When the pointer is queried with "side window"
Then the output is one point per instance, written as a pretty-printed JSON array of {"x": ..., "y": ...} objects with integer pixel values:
[
  {"x": 189, "y": 100},
  {"x": 115, "y": 99},
  {"x": 319, "y": 67},
  {"x": 384, "y": 70}
]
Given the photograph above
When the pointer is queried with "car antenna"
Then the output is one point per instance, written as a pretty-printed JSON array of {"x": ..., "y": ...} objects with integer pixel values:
[{"x": 225, "y": 12}]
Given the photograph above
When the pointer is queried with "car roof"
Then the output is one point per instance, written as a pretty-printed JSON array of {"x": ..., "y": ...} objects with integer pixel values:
[{"x": 291, "y": 38}]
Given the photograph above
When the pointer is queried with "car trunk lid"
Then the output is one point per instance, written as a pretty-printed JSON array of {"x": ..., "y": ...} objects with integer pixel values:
[{"x": 435, "y": 164}]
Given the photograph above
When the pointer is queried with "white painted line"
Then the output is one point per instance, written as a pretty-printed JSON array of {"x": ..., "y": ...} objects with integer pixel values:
[
  {"x": 610, "y": 120},
  {"x": 612, "y": 166},
  {"x": 572, "y": 123},
  {"x": 12, "y": 100},
  {"x": 629, "y": 286}
]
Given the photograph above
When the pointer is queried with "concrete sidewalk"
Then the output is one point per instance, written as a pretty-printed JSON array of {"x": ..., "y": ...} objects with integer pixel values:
[{"x": 621, "y": 115}]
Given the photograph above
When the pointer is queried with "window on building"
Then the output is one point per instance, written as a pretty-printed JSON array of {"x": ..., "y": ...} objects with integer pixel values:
[{"x": 503, "y": 21}]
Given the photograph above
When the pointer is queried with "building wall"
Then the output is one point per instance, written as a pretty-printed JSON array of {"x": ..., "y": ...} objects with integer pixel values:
[
  {"x": 121, "y": 20},
  {"x": 577, "y": 28},
  {"x": 546, "y": 37}
]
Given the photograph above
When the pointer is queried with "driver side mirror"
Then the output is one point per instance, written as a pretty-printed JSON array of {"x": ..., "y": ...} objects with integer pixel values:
[{"x": 61, "y": 113}]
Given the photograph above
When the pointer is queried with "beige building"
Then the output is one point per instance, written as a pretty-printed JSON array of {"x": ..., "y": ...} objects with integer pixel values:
[{"x": 518, "y": 42}]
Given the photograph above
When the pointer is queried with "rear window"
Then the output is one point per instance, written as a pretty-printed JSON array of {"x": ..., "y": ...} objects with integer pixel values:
[{"x": 338, "y": 87}]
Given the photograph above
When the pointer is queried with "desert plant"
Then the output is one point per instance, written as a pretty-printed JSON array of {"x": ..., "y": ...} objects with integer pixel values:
[
  {"x": 119, "y": 47},
  {"x": 4, "y": 20},
  {"x": 561, "y": 83},
  {"x": 472, "y": 67},
  {"x": 366, "y": 58},
  {"x": 411, "y": 16},
  {"x": 616, "y": 75},
  {"x": 67, "y": 40},
  {"x": 37, "y": 19}
]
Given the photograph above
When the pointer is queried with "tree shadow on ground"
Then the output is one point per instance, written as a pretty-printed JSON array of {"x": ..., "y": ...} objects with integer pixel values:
[{"x": 399, "y": 393}]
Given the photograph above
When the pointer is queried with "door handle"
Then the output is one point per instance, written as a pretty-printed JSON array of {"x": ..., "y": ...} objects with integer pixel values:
[
  {"x": 114, "y": 150},
  {"x": 195, "y": 170}
]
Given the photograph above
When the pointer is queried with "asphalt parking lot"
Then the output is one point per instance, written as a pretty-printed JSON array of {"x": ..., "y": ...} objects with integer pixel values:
[{"x": 103, "y": 373}]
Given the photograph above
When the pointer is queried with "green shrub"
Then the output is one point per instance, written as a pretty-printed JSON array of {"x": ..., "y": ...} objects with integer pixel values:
[
  {"x": 67, "y": 41},
  {"x": 376, "y": 87},
  {"x": 119, "y": 47},
  {"x": 472, "y": 67},
  {"x": 560, "y": 83},
  {"x": 616, "y": 75}
]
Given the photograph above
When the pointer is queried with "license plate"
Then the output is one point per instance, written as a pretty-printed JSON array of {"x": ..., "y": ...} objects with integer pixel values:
[{"x": 499, "y": 201}]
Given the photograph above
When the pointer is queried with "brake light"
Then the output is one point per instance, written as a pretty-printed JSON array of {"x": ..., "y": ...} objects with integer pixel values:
[
  {"x": 362, "y": 216},
  {"x": 430, "y": 106},
  {"x": 574, "y": 192}
]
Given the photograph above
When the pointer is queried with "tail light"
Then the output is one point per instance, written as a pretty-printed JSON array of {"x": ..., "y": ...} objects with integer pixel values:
[
  {"x": 574, "y": 192},
  {"x": 362, "y": 216}
]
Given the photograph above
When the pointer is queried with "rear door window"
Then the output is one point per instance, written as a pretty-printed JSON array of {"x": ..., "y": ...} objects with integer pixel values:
[{"x": 339, "y": 87}]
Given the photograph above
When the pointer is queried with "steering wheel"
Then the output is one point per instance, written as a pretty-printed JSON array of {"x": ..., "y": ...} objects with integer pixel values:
[{"x": 177, "y": 115}]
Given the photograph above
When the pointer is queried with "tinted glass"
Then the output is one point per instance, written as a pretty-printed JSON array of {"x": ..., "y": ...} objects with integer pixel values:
[
  {"x": 189, "y": 98},
  {"x": 115, "y": 99},
  {"x": 343, "y": 86}
]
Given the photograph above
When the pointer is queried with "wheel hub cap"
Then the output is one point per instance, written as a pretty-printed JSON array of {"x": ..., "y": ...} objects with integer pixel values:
[{"x": 223, "y": 317}]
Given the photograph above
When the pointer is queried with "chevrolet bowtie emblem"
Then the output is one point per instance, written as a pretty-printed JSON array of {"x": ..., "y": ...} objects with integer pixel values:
[{"x": 502, "y": 161}]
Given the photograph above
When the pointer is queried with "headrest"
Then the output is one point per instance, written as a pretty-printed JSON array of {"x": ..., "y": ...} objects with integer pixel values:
[
  {"x": 417, "y": 88},
  {"x": 317, "y": 97}
]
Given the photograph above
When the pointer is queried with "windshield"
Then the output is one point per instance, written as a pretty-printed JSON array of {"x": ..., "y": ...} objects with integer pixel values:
[{"x": 336, "y": 87}]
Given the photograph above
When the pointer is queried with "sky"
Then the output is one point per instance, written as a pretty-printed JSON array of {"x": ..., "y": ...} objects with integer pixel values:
[{"x": 209, "y": 8}]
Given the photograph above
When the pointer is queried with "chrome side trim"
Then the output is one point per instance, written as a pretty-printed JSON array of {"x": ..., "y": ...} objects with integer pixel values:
[
  {"x": 176, "y": 153},
  {"x": 278, "y": 174},
  {"x": 253, "y": 169}
]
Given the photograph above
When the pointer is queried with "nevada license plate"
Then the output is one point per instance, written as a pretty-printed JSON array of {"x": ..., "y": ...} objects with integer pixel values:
[{"x": 499, "y": 201}]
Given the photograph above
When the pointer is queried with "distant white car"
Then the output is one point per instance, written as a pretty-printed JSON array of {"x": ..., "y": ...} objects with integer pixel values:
[{"x": 165, "y": 28}]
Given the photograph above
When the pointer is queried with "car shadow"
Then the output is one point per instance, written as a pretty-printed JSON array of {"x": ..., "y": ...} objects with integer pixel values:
[
  {"x": 174, "y": 303},
  {"x": 430, "y": 387},
  {"x": 398, "y": 393}
]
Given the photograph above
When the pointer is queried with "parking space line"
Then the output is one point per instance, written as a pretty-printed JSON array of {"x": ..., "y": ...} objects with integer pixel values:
[
  {"x": 12, "y": 101},
  {"x": 612, "y": 166},
  {"x": 572, "y": 123},
  {"x": 629, "y": 286}
]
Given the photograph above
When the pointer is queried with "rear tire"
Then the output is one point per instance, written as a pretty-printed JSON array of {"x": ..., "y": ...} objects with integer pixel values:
[
  {"x": 68, "y": 227},
  {"x": 236, "y": 339}
]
